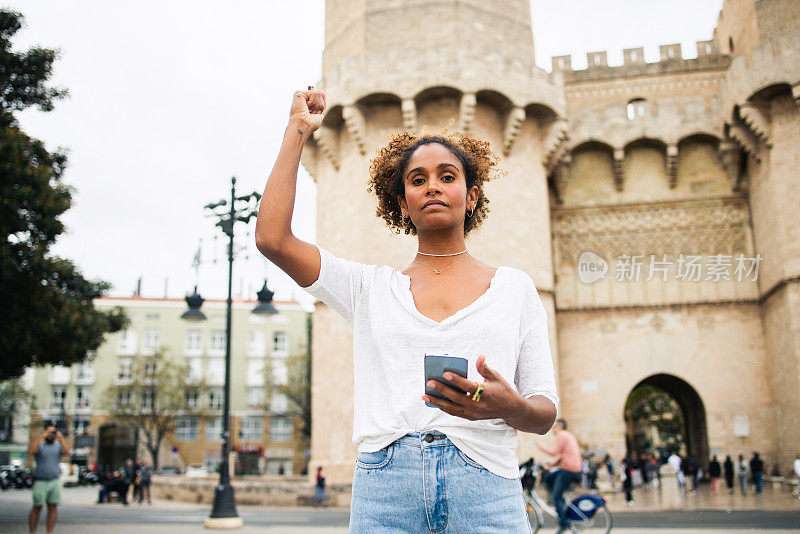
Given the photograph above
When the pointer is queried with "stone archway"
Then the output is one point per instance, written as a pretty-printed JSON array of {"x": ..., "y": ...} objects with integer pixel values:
[{"x": 665, "y": 414}]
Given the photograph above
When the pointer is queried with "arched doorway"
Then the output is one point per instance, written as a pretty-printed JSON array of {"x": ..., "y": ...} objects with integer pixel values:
[
  {"x": 664, "y": 414},
  {"x": 117, "y": 443}
]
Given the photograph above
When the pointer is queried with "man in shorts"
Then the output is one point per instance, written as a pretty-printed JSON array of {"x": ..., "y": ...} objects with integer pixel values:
[{"x": 47, "y": 450}]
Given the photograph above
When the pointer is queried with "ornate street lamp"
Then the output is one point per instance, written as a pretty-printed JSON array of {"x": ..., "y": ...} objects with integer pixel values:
[
  {"x": 265, "y": 306},
  {"x": 194, "y": 301},
  {"x": 223, "y": 513}
]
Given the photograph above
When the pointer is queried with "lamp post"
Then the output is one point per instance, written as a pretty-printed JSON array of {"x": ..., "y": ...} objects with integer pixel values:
[{"x": 223, "y": 513}]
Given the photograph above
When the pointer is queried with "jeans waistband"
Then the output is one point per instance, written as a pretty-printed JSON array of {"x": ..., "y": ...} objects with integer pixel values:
[{"x": 422, "y": 439}]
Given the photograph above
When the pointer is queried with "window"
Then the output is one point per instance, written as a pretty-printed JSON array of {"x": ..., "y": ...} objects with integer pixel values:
[
  {"x": 124, "y": 370},
  {"x": 194, "y": 340},
  {"x": 258, "y": 344},
  {"x": 214, "y": 429},
  {"x": 216, "y": 372},
  {"x": 147, "y": 400},
  {"x": 216, "y": 345},
  {"x": 124, "y": 397},
  {"x": 274, "y": 467},
  {"x": 278, "y": 403},
  {"x": 152, "y": 317},
  {"x": 152, "y": 341},
  {"x": 280, "y": 372},
  {"x": 255, "y": 372},
  {"x": 126, "y": 345},
  {"x": 83, "y": 398},
  {"x": 195, "y": 366},
  {"x": 637, "y": 108},
  {"x": 59, "y": 374},
  {"x": 84, "y": 373},
  {"x": 280, "y": 343},
  {"x": 252, "y": 429},
  {"x": 149, "y": 368},
  {"x": 192, "y": 399},
  {"x": 80, "y": 424},
  {"x": 255, "y": 397},
  {"x": 58, "y": 395},
  {"x": 216, "y": 397},
  {"x": 186, "y": 429},
  {"x": 280, "y": 429}
]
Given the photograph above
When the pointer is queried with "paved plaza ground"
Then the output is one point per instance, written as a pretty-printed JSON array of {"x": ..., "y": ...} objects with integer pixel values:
[{"x": 660, "y": 511}]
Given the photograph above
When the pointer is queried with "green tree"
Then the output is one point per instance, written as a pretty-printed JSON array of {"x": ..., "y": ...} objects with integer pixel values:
[
  {"x": 153, "y": 393},
  {"x": 47, "y": 314},
  {"x": 297, "y": 390}
]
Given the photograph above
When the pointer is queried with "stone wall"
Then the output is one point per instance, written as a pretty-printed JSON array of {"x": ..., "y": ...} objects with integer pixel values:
[
  {"x": 705, "y": 163},
  {"x": 261, "y": 491},
  {"x": 717, "y": 349}
]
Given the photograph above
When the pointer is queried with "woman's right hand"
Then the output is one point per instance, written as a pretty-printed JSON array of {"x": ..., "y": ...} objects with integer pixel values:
[{"x": 307, "y": 109}]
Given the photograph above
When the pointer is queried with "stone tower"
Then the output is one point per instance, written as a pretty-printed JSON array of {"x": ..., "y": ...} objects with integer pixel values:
[
  {"x": 390, "y": 65},
  {"x": 686, "y": 166}
]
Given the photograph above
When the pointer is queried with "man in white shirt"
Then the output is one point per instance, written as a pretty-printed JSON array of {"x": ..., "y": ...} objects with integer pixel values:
[
  {"x": 675, "y": 462},
  {"x": 796, "y": 491}
]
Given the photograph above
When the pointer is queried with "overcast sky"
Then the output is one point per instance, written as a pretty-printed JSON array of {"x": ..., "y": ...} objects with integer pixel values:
[{"x": 169, "y": 99}]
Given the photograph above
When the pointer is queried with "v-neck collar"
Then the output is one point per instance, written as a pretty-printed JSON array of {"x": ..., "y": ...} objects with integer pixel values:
[{"x": 406, "y": 297}]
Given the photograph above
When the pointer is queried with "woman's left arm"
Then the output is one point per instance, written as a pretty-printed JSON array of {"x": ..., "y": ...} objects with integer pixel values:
[{"x": 499, "y": 400}]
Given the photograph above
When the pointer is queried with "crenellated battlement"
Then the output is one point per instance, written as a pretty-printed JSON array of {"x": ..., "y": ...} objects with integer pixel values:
[{"x": 634, "y": 64}]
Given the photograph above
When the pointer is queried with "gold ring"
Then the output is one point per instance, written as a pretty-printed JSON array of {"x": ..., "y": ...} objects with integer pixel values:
[{"x": 478, "y": 392}]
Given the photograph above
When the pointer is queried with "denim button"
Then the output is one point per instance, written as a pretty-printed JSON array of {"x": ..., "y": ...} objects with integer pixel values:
[{"x": 429, "y": 438}]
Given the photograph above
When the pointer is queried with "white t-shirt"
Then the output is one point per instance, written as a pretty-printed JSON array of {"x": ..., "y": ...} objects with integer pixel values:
[{"x": 507, "y": 323}]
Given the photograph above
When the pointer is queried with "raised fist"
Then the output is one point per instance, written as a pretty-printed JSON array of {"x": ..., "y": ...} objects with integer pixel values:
[{"x": 308, "y": 108}]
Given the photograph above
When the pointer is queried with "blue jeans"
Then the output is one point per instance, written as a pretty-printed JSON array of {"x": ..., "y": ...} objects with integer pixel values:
[
  {"x": 320, "y": 495},
  {"x": 557, "y": 482},
  {"x": 418, "y": 486},
  {"x": 759, "y": 481}
]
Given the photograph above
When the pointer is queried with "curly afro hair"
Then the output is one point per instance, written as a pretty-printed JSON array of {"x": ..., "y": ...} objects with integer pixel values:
[{"x": 386, "y": 174}]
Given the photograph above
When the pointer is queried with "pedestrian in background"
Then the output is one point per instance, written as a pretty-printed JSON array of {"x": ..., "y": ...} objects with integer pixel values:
[
  {"x": 609, "y": 463},
  {"x": 128, "y": 475},
  {"x": 796, "y": 491},
  {"x": 742, "y": 471},
  {"x": 137, "y": 479},
  {"x": 757, "y": 472},
  {"x": 714, "y": 472},
  {"x": 626, "y": 473},
  {"x": 145, "y": 473},
  {"x": 320, "y": 496},
  {"x": 675, "y": 462},
  {"x": 651, "y": 469},
  {"x": 727, "y": 468},
  {"x": 592, "y": 473},
  {"x": 568, "y": 461},
  {"x": 47, "y": 451}
]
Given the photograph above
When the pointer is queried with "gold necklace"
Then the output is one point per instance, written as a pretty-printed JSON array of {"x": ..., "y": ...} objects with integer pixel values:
[{"x": 440, "y": 271}]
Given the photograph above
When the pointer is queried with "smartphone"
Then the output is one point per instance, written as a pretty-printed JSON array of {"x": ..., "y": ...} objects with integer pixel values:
[{"x": 435, "y": 367}]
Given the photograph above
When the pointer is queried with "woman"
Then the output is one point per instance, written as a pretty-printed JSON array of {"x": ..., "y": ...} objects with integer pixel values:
[
  {"x": 727, "y": 468},
  {"x": 451, "y": 467},
  {"x": 742, "y": 470},
  {"x": 627, "y": 479},
  {"x": 714, "y": 472},
  {"x": 320, "y": 495}
]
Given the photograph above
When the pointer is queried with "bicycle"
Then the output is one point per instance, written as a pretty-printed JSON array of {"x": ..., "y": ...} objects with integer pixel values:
[{"x": 585, "y": 513}]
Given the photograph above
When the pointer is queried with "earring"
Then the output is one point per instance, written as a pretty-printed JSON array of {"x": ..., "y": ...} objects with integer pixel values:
[{"x": 471, "y": 212}]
